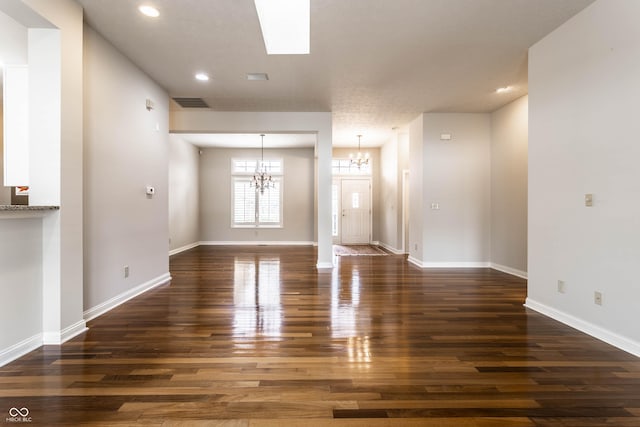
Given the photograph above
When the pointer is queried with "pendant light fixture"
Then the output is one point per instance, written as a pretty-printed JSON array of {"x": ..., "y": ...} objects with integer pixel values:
[
  {"x": 359, "y": 159},
  {"x": 261, "y": 179}
]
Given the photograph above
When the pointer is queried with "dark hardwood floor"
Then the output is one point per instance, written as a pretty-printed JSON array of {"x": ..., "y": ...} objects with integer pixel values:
[{"x": 255, "y": 336}]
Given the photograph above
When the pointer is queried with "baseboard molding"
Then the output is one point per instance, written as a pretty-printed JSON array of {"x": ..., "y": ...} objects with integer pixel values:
[
  {"x": 15, "y": 351},
  {"x": 100, "y": 309},
  {"x": 391, "y": 249},
  {"x": 509, "y": 270},
  {"x": 324, "y": 265},
  {"x": 184, "y": 248},
  {"x": 414, "y": 261},
  {"x": 257, "y": 243},
  {"x": 57, "y": 338},
  {"x": 455, "y": 265},
  {"x": 423, "y": 264},
  {"x": 588, "y": 328}
]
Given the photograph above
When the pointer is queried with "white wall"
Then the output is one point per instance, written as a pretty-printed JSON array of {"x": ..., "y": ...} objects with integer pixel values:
[
  {"x": 417, "y": 186},
  {"x": 509, "y": 137},
  {"x": 20, "y": 286},
  {"x": 456, "y": 176},
  {"x": 52, "y": 257},
  {"x": 126, "y": 149},
  {"x": 583, "y": 138},
  {"x": 298, "y": 196},
  {"x": 390, "y": 191},
  {"x": 184, "y": 194}
]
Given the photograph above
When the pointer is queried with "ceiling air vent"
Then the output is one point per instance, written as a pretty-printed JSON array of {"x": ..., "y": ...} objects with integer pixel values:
[{"x": 191, "y": 102}]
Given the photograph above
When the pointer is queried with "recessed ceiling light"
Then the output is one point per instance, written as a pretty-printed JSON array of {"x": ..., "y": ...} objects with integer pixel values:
[
  {"x": 257, "y": 76},
  {"x": 149, "y": 11},
  {"x": 503, "y": 89},
  {"x": 285, "y": 26},
  {"x": 203, "y": 77}
]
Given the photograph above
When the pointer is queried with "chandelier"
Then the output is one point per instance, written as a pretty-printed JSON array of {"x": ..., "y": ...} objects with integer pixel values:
[
  {"x": 261, "y": 179},
  {"x": 359, "y": 159}
]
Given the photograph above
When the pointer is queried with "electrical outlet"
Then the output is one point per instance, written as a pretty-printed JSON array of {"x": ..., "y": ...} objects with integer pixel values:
[
  {"x": 126, "y": 271},
  {"x": 597, "y": 298},
  {"x": 561, "y": 286}
]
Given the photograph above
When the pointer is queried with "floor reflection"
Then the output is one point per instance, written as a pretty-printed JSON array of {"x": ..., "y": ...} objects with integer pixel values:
[
  {"x": 256, "y": 296},
  {"x": 348, "y": 318}
]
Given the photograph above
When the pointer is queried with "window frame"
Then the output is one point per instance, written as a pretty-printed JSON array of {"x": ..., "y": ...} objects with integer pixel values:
[{"x": 245, "y": 176}]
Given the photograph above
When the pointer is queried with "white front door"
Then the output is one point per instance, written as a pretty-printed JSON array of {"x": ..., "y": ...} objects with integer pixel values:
[{"x": 356, "y": 211}]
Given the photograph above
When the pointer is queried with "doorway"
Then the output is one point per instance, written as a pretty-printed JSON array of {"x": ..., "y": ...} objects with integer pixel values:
[{"x": 354, "y": 211}]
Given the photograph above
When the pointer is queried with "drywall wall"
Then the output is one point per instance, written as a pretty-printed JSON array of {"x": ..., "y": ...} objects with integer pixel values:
[
  {"x": 374, "y": 155},
  {"x": 126, "y": 149},
  {"x": 390, "y": 195},
  {"x": 56, "y": 174},
  {"x": 417, "y": 185},
  {"x": 20, "y": 286},
  {"x": 509, "y": 136},
  {"x": 215, "y": 196},
  {"x": 583, "y": 132},
  {"x": 456, "y": 187},
  {"x": 184, "y": 194}
]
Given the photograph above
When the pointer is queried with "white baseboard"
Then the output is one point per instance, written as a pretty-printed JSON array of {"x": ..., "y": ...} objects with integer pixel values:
[
  {"x": 184, "y": 248},
  {"x": 423, "y": 264},
  {"x": 99, "y": 309},
  {"x": 414, "y": 261},
  {"x": 257, "y": 243},
  {"x": 59, "y": 337},
  {"x": 15, "y": 351},
  {"x": 391, "y": 249},
  {"x": 509, "y": 270},
  {"x": 455, "y": 265},
  {"x": 588, "y": 328},
  {"x": 324, "y": 265}
]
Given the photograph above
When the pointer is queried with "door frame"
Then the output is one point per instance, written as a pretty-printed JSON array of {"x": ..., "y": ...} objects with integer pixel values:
[{"x": 337, "y": 179}]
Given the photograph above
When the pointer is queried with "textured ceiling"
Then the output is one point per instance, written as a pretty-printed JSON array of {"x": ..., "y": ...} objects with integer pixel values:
[{"x": 375, "y": 64}]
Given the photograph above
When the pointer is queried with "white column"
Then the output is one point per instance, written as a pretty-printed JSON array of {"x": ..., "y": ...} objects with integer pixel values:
[{"x": 325, "y": 251}]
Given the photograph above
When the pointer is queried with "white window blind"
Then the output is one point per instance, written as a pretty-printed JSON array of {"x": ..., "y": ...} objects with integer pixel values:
[{"x": 251, "y": 208}]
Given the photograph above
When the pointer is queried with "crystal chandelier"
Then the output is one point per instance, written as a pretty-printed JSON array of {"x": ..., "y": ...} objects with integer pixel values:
[
  {"x": 359, "y": 159},
  {"x": 261, "y": 179}
]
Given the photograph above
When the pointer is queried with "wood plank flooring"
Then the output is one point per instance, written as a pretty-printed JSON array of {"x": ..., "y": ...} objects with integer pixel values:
[{"x": 255, "y": 336}]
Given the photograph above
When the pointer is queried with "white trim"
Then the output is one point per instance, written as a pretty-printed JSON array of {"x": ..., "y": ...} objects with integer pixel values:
[
  {"x": 595, "y": 331},
  {"x": 102, "y": 308},
  {"x": 423, "y": 264},
  {"x": 324, "y": 265},
  {"x": 184, "y": 248},
  {"x": 455, "y": 265},
  {"x": 257, "y": 243},
  {"x": 15, "y": 351},
  {"x": 57, "y": 338},
  {"x": 509, "y": 270},
  {"x": 415, "y": 261},
  {"x": 391, "y": 249}
]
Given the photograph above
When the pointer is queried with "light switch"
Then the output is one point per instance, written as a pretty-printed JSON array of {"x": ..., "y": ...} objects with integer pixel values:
[
  {"x": 588, "y": 199},
  {"x": 445, "y": 137}
]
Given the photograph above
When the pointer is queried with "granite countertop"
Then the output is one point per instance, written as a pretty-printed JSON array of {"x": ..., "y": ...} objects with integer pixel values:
[{"x": 28, "y": 208}]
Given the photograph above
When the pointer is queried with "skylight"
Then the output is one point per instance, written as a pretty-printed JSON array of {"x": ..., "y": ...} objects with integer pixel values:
[{"x": 285, "y": 26}]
